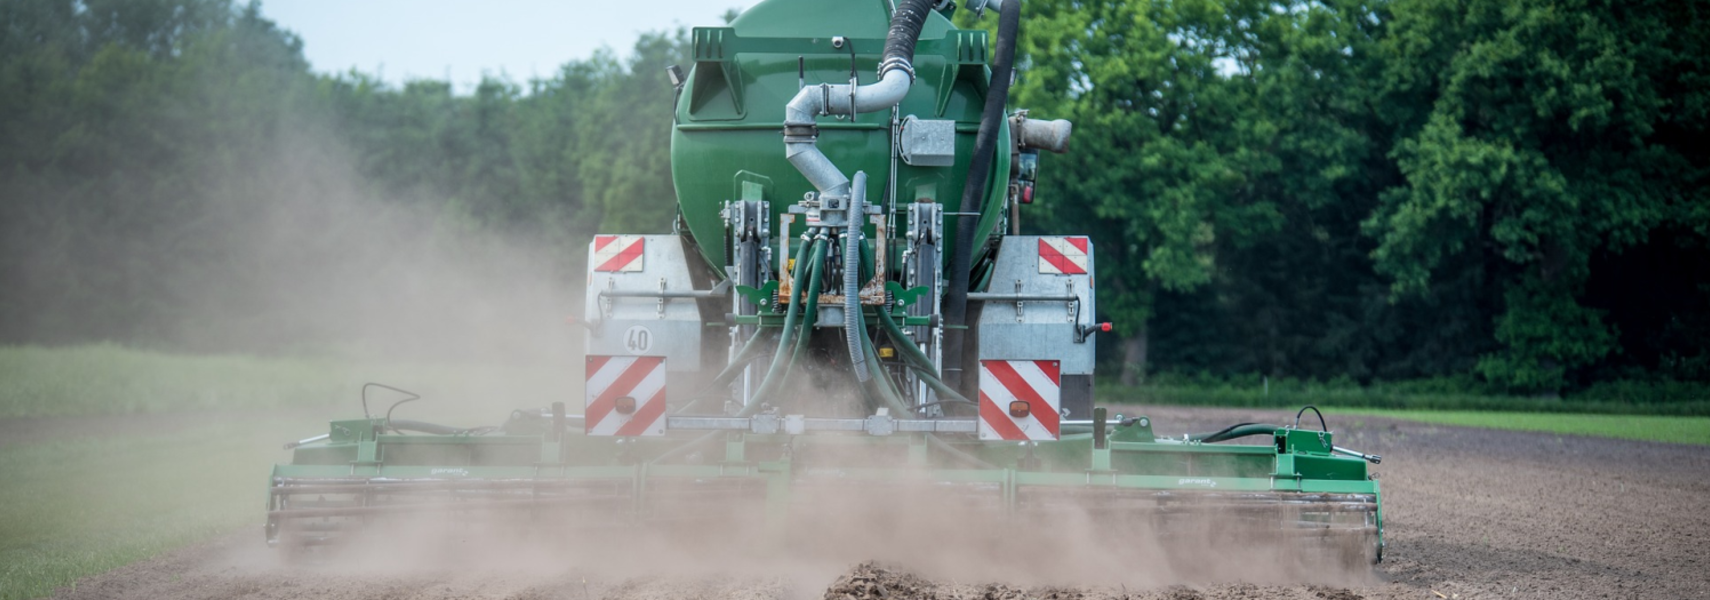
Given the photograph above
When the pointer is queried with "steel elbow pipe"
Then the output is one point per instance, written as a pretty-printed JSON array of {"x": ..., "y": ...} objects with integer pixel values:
[
  {"x": 896, "y": 74},
  {"x": 841, "y": 99},
  {"x": 817, "y": 168},
  {"x": 827, "y": 99}
]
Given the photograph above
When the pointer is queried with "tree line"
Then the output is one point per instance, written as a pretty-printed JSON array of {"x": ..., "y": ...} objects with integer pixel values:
[{"x": 1507, "y": 194}]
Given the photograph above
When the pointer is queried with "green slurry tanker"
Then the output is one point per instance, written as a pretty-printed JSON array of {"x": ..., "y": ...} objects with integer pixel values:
[{"x": 846, "y": 303}]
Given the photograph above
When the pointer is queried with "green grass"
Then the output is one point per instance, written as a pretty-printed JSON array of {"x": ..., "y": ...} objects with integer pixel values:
[
  {"x": 77, "y": 507},
  {"x": 1680, "y": 400},
  {"x": 1677, "y": 430},
  {"x": 84, "y": 503}
]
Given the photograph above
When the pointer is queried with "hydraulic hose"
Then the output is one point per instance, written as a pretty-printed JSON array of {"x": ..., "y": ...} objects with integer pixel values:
[
  {"x": 1231, "y": 432},
  {"x": 974, "y": 192},
  {"x": 750, "y": 350},
  {"x": 878, "y": 385},
  {"x": 852, "y": 319},
  {"x": 783, "y": 358},
  {"x": 918, "y": 361},
  {"x": 810, "y": 302},
  {"x": 810, "y": 312}
]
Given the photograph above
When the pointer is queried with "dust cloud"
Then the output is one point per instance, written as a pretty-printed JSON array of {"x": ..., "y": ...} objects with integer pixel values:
[
  {"x": 935, "y": 535},
  {"x": 322, "y": 263}
]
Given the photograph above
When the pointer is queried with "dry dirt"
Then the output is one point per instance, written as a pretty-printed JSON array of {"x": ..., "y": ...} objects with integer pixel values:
[{"x": 1469, "y": 514}]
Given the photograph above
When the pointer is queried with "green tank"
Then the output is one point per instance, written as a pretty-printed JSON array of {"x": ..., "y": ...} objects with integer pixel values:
[{"x": 726, "y": 144}]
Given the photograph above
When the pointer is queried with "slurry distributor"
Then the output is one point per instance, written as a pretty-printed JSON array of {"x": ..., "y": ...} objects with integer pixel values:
[{"x": 845, "y": 303}]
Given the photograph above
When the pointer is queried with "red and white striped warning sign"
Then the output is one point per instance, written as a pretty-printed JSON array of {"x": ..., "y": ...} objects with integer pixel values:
[
  {"x": 618, "y": 253},
  {"x": 626, "y": 395},
  {"x": 1019, "y": 399},
  {"x": 1063, "y": 255}
]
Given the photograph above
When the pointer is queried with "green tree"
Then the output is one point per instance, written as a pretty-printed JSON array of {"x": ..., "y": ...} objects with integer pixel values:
[
  {"x": 1203, "y": 130},
  {"x": 1535, "y": 135}
]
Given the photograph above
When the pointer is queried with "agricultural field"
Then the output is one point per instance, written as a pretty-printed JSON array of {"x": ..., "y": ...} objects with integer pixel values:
[
  {"x": 162, "y": 496},
  {"x": 111, "y": 456}
]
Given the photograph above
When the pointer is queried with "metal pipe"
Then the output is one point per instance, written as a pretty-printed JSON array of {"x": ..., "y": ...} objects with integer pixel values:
[
  {"x": 696, "y": 294},
  {"x": 1086, "y": 422},
  {"x": 305, "y": 441},
  {"x": 990, "y": 297},
  {"x": 896, "y": 74},
  {"x": 1371, "y": 458}
]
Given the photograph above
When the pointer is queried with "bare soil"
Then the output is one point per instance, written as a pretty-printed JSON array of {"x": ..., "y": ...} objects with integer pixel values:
[{"x": 1470, "y": 513}]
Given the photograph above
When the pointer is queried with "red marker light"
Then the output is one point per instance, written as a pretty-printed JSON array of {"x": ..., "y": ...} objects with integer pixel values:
[{"x": 1105, "y": 326}]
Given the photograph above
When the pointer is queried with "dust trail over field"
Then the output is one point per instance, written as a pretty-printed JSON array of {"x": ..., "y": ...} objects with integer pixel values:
[
  {"x": 1472, "y": 513},
  {"x": 931, "y": 529},
  {"x": 297, "y": 245}
]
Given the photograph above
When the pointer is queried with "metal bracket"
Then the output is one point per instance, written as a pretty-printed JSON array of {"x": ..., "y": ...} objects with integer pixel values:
[{"x": 880, "y": 424}]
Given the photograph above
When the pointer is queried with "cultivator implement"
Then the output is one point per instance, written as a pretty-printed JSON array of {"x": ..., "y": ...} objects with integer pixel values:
[
  {"x": 546, "y": 478},
  {"x": 845, "y": 315}
]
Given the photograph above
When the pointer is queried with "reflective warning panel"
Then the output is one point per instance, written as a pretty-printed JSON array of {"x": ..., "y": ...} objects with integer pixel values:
[
  {"x": 626, "y": 396},
  {"x": 1063, "y": 255},
  {"x": 1019, "y": 399},
  {"x": 622, "y": 253}
]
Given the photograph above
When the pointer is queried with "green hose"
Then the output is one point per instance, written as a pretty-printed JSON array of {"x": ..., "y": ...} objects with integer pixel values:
[
  {"x": 879, "y": 385},
  {"x": 911, "y": 352},
  {"x": 810, "y": 310},
  {"x": 749, "y": 352},
  {"x": 921, "y": 365},
  {"x": 782, "y": 360}
]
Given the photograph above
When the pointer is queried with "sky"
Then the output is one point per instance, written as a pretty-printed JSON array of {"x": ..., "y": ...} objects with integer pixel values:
[{"x": 461, "y": 39}]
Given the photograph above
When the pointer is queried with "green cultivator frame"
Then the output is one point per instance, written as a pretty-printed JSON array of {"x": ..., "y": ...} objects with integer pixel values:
[{"x": 1297, "y": 484}]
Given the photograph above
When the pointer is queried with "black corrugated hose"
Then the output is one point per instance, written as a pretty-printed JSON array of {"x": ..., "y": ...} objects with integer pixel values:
[
  {"x": 974, "y": 193},
  {"x": 905, "y": 32}
]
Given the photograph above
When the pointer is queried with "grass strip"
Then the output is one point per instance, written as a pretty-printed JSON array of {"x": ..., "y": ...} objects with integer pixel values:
[
  {"x": 1295, "y": 396},
  {"x": 80, "y": 506},
  {"x": 1674, "y": 430}
]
